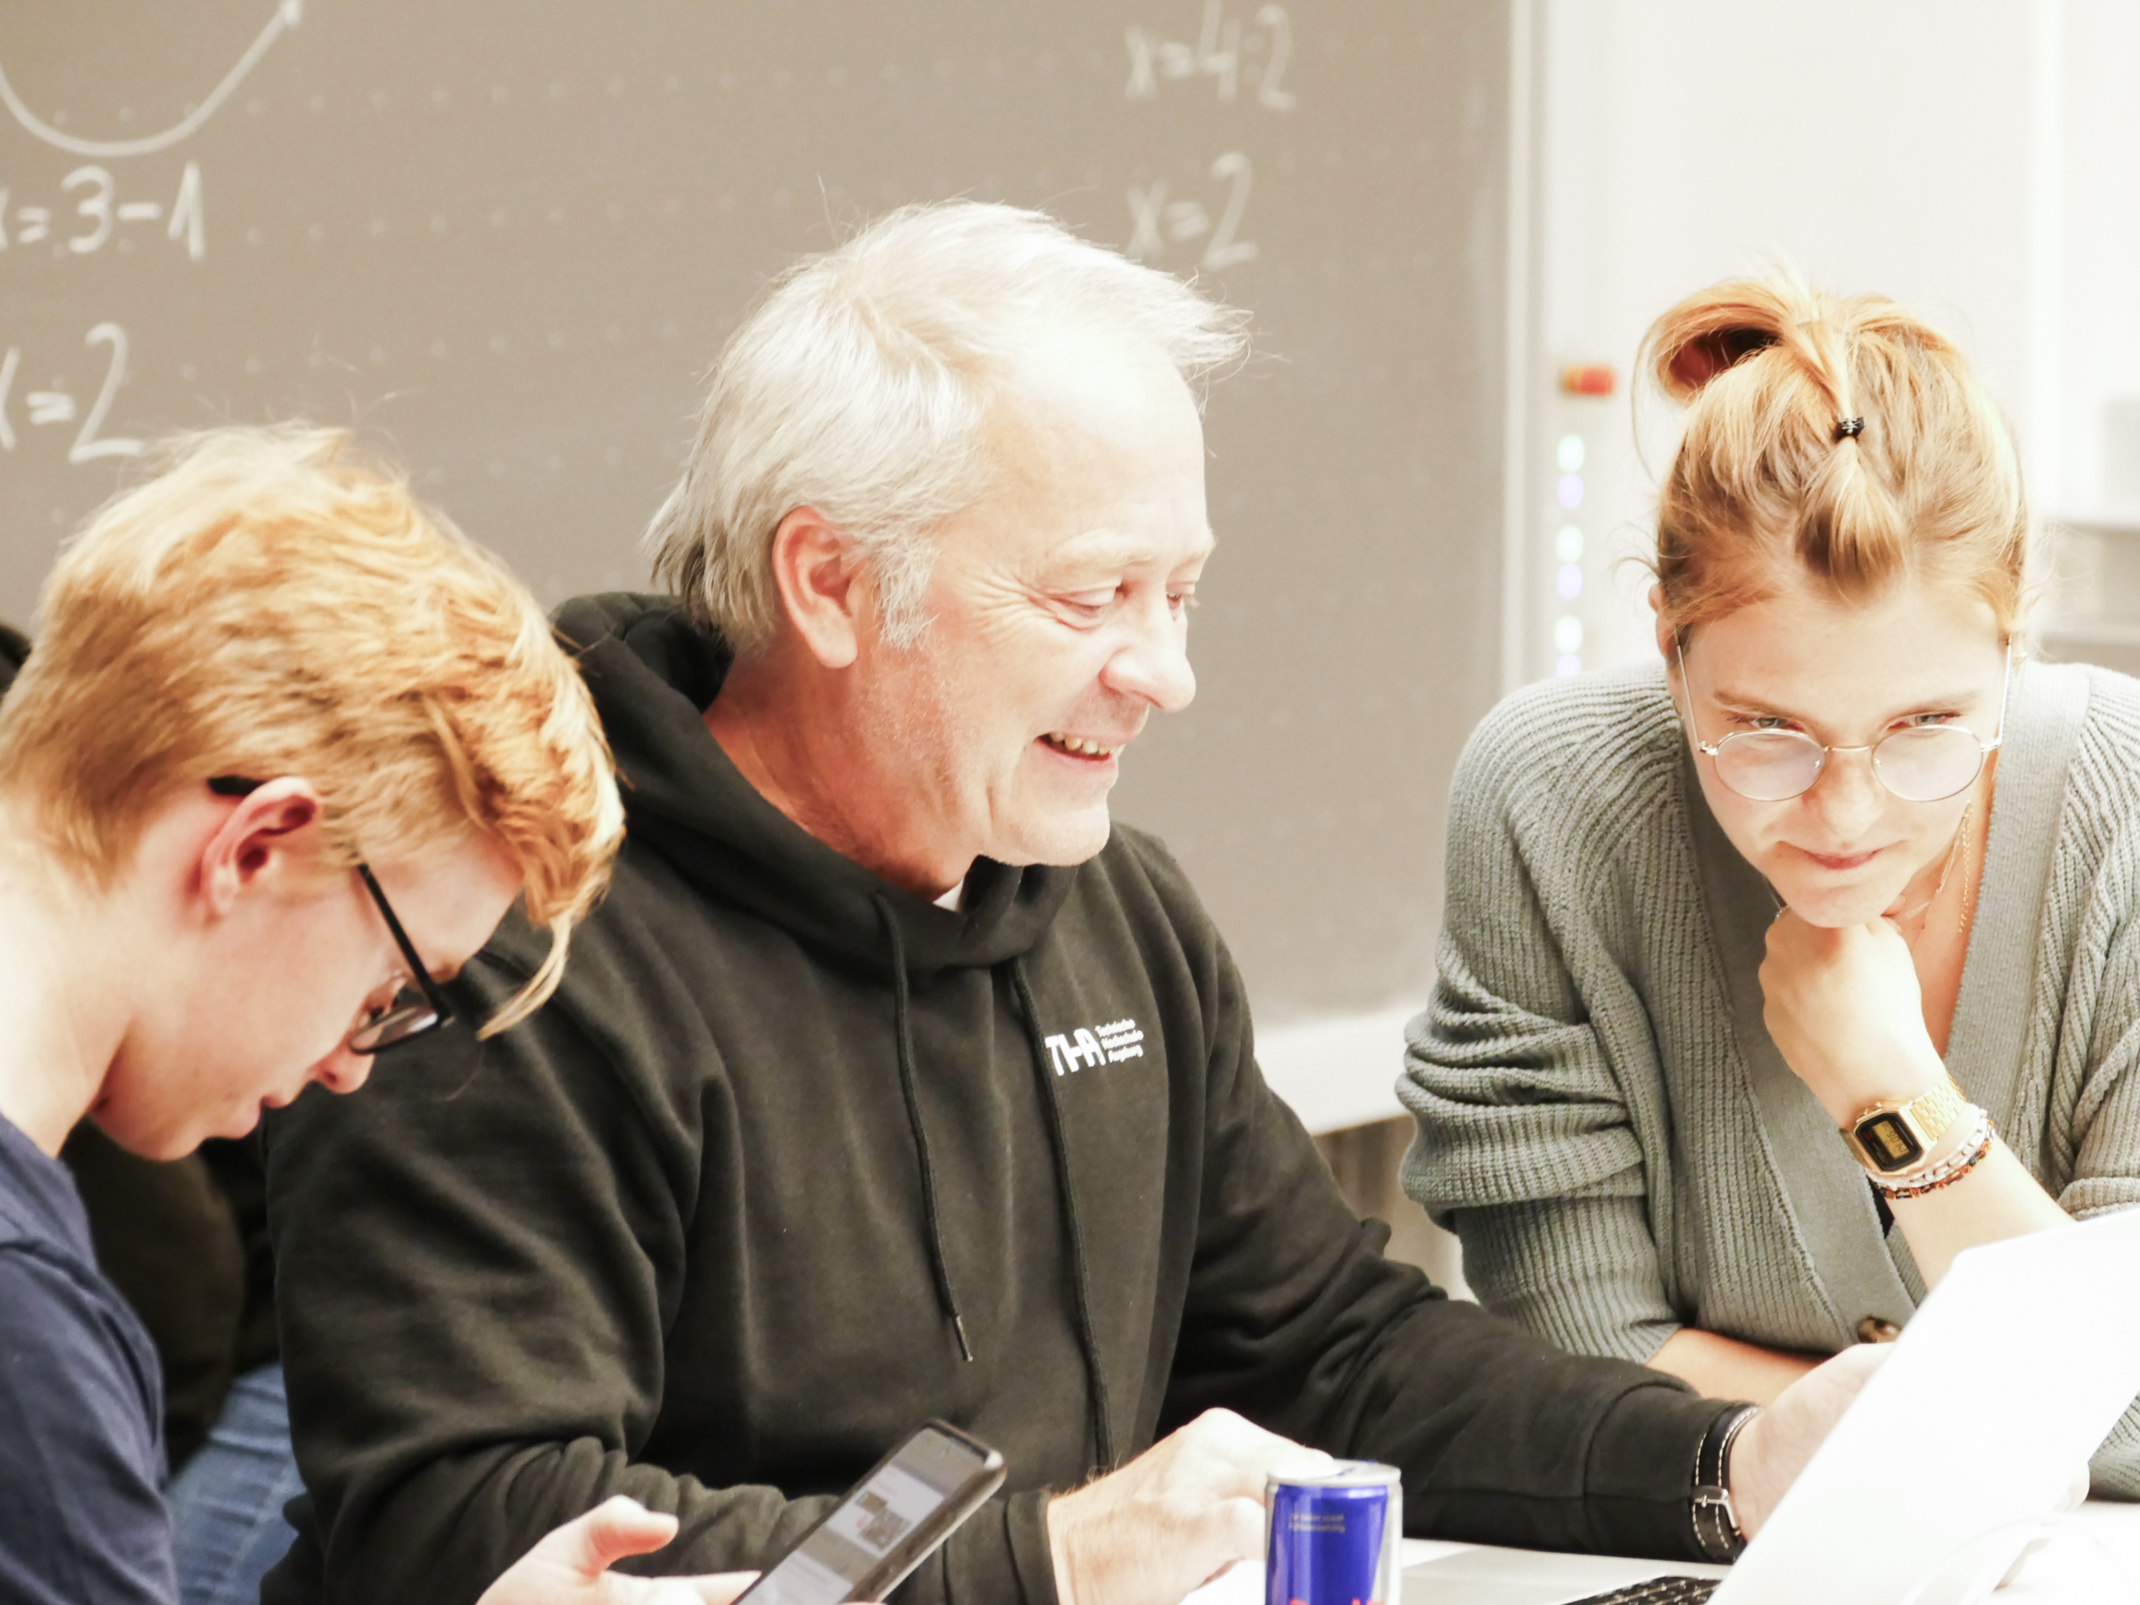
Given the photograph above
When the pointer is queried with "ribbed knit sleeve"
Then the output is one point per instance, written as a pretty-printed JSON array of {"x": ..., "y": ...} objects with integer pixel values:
[
  {"x": 2091, "y": 1145},
  {"x": 2087, "y": 1109},
  {"x": 1514, "y": 1103},
  {"x": 1580, "y": 1272},
  {"x": 2075, "y": 1120},
  {"x": 2093, "y": 1138},
  {"x": 1527, "y": 1142}
]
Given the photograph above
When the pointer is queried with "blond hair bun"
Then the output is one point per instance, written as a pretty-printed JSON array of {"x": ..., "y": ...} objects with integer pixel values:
[{"x": 1838, "y": 439}]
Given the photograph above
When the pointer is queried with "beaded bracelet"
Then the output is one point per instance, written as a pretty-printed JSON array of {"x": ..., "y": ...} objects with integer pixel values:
[
  {"x": 1965, "y": 1153},
  {"x": 1950, "y": 1170}
]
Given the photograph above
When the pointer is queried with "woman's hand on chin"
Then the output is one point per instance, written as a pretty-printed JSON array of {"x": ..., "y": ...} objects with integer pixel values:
[{"x": 1844, "y": 1008}]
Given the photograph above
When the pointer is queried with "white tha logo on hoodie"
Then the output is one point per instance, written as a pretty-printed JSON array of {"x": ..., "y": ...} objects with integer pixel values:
[{"x": 1088, "y": 1045}]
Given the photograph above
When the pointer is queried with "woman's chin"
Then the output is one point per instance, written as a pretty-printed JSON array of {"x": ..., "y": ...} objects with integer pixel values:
[{"x": 1837, "y": 907}]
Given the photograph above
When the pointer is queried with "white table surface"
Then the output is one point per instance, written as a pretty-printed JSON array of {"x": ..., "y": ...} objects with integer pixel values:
[{"x": 2091, "y": 1558}]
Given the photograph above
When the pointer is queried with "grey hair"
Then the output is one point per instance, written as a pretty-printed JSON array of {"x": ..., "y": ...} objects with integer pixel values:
[{"x": 859, "y": 386}]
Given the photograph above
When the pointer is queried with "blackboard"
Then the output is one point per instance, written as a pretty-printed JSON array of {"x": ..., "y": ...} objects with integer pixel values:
[{"x": 506, "y": 239}]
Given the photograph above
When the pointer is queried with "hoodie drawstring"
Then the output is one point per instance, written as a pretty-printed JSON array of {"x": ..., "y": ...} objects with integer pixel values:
[
  {"x": 1103, "y": 1432},
  {"x": 902, "y": 1029}
]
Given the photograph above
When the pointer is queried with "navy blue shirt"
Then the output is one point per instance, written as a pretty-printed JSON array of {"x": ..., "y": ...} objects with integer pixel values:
[{"x": 82, "y": 1514}]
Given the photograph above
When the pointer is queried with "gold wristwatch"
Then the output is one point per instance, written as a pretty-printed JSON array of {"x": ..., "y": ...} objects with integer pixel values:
[{"x": 1892, "y": 1137}]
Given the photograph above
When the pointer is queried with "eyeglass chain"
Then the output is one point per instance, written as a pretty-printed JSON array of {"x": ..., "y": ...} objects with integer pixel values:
[{"x": 1955, "y": 851}]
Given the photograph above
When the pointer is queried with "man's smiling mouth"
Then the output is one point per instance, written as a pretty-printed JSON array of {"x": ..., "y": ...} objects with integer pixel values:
[{"x": 1079, "y": 746}]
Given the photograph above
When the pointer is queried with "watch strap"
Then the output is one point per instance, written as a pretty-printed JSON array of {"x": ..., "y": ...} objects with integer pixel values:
[
  {"x": 1929, "y": 1115},
  {"x": 1716, "y": 1523},
  {"x": 1937, "y": 1110}
]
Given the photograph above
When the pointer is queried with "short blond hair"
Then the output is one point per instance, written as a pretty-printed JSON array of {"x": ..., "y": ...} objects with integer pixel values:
[
  {"x": 1769, "y": 479},
  {"x": 275, "y": 602}
]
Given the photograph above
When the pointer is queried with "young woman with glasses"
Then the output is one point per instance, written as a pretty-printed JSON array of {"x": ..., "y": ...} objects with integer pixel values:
[
  {"x": 1771, "y": 981},
  {"x": 288, "y": 750}
]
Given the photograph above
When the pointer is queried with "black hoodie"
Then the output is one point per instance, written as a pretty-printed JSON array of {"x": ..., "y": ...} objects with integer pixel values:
[{"x": 796, "y": 1159}]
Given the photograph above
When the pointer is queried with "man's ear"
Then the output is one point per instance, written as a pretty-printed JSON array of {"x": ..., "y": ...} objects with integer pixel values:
[
  {"x": 270, "y": 831},
  {"x": 819, "y": 572}
]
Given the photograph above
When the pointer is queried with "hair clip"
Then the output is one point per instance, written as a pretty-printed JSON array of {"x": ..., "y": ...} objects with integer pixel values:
[{"x": 1849, "y": 427}]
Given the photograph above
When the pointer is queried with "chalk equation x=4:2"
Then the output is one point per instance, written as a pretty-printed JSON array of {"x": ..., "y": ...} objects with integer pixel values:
[
  {"x": 1222, "y": 54},
  {"x": 42, "y": 408},
  {"x": 286, "y": 15}
]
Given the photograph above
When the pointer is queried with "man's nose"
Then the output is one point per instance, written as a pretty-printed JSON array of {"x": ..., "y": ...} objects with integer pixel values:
[
  {"x": 343, "y": 1071},
  {"x": 1154, "y": 663}
]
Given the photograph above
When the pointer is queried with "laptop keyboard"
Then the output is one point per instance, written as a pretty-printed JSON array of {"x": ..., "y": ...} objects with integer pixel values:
[{"x": 1656, "y": 1591}]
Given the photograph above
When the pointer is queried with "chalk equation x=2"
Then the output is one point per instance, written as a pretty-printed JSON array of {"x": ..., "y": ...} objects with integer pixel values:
[
  {"x": 44, "y": 408},
  {"x": 286, "y": 15},
  {"x": 1155, "y": 220}
]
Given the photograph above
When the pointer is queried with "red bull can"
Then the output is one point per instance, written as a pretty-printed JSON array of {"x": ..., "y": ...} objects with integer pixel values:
[{"x": 1332, "y": 1537}]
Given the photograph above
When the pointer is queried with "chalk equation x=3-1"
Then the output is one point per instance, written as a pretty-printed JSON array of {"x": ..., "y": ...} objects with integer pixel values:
[
  {"x": 47, "y": 408},
  {"x": 88, "y": 215}
]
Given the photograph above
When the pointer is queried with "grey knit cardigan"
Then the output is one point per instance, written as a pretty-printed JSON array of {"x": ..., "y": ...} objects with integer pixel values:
[{"x": 1604, "y": 1120}]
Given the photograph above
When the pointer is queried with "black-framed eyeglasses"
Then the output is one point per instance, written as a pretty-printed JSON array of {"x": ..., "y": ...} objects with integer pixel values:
[
  {"x": 409, "y": 1012},
  {"x": 1918, "y": 763},
  {"x": 418, "y": 1006}
]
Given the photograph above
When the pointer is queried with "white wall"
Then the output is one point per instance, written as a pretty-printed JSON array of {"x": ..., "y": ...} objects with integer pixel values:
[
  {"x": 1916, "y": 148},
  {"x": 2098, "y": 271}
]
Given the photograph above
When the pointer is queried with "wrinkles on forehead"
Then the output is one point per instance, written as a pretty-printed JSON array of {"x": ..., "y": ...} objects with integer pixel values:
[
  {"x": 1107, "y": 551},
  {"x": 1094, "y": 451}
]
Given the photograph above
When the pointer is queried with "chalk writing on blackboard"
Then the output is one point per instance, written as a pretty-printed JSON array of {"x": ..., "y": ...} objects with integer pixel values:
[
  {"x": 1156, "y": 222},
  {"x": 1223, "y": 53},
  {"x": 90, "y": 214},
  {"x": 44, "y": 408},
  {"x": 287, "y": 14}
]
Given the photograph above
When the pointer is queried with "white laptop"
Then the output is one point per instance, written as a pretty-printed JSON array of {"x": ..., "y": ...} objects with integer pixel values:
[{"x": 1960, "y": 1447}]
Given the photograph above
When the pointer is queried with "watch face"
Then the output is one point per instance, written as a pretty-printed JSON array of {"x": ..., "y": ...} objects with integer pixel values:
[{"x": 1889, "y": 1142}]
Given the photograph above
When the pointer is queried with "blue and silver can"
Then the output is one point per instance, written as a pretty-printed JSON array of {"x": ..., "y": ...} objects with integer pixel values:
[{"x": 1332, "y": 1538}]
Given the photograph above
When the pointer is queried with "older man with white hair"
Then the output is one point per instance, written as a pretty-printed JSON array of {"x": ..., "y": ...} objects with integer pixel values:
[{"x": 894, "y": 1079}]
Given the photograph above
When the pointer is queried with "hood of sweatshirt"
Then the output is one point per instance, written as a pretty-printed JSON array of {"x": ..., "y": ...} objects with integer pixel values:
[{"x": 653, "y": 673}]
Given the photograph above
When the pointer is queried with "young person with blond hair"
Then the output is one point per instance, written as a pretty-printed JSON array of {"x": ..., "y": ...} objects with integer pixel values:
[
  {"x": 1771, "y": 981},
  {"x": 289, "y": 748}
]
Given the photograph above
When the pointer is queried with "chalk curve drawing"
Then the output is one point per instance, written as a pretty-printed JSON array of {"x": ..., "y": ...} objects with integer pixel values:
[{"x": 287, "y": 15}]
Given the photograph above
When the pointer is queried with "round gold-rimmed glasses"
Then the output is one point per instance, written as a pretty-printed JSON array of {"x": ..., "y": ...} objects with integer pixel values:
[{"x": 1918, "y": 763}]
